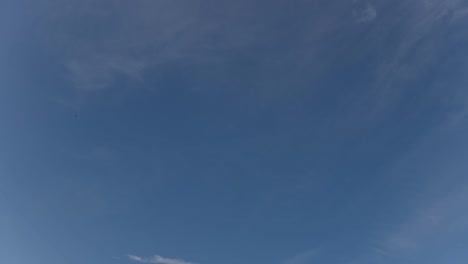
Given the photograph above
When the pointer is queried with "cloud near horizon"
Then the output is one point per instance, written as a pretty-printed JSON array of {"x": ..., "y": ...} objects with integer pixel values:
[{"x": 156, "y": 259}]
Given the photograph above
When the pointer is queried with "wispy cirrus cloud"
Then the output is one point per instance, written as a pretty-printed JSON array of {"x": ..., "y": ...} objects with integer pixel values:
[
  {"x": 157, "y": 260},
  {"x": 437, "y": 210},
  {"x": 100, "y": 40},
  {"x": 211, "y": 42}
]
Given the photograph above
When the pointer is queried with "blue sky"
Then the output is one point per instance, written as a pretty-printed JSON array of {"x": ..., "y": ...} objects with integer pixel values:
[{"x": 219, "y": 132}]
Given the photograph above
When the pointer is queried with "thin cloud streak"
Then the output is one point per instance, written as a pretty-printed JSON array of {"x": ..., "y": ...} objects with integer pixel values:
[{"x": 157, "y": 260}]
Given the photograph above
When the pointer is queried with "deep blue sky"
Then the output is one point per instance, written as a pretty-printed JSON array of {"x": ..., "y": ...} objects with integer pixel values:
[{"x": 226, "y": 132}]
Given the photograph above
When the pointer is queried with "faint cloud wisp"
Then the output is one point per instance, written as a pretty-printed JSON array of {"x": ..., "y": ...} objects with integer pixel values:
[
  {"x": 157, "y": 260},
  {"x": 368, "y": 14},
  {"x": 303, "y": 257}
]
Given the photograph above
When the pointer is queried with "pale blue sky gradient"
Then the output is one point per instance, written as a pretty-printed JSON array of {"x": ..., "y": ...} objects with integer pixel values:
[{"x": 223, "y": 132}]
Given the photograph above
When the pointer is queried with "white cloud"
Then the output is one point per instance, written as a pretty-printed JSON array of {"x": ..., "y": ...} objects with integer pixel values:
[
  {"x": 157, "y": 260},
  {"x": 135, "y": 258}
]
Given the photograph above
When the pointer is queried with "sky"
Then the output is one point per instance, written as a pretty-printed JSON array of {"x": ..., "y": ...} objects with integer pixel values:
[{"x": 226, "y": 132}]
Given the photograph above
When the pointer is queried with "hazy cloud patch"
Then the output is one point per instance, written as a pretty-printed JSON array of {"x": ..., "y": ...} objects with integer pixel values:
[{"x": 367, "y": 14}]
